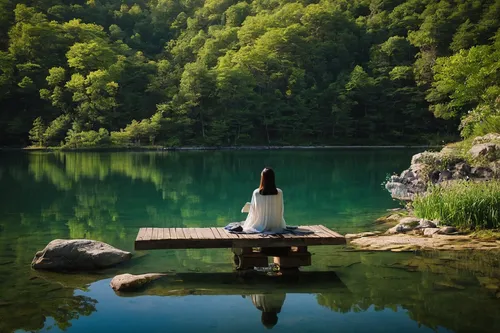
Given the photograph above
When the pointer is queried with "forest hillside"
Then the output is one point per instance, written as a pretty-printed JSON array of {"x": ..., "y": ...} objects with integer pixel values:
[{"x": 86, "y": 73}]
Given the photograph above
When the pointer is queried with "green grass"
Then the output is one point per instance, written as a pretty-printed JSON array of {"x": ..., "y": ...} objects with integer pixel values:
[{"x": 465, "y": 205}]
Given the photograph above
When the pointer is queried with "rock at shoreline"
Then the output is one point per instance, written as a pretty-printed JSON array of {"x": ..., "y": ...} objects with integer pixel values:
[
  {"x": 128, "y": 282},
  {"x": 440, "y": 168},
  {"x": 425, "y": 224},
  {"x": 406, "y": 242},
  {"x": 428, "y": 232},
  {"x": 78, "y": 254},
  {"x": 446, "y": 230},
  {"x": 362, "y": 234},
  {"x": 410, "y": 221},
  {"x": 388, "y": 218}
]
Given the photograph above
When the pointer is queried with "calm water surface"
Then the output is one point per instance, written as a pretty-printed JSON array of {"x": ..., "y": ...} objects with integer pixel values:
[{"x": 108, "y": 196}]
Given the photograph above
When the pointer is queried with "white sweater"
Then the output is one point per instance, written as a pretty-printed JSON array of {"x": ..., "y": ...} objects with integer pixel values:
[{"x": 266, "y": 213}]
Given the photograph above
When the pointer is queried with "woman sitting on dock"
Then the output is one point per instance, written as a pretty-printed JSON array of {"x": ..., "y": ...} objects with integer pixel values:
[{"x": 266, "y": 208}]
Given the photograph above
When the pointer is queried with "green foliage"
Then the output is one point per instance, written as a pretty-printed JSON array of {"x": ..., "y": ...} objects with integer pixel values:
[
  {"x": 264, "y": 72},
  {"x": 55, "y": 132},
  {"x": 145, "y": 130},
  {"x": 37, "y": 132},
  {"x": 466, "y": 205},
  {"x": 87, "y": 139}
]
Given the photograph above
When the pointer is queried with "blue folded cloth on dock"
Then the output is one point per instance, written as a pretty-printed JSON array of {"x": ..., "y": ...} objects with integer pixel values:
[{"x": 237, "y": 228}]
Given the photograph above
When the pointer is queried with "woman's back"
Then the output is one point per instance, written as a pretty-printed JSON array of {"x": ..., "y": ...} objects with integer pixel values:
[{"x": 266, "y": 213}]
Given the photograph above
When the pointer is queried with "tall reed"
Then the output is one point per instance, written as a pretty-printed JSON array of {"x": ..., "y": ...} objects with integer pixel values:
[{"x": 463, "y": 204}]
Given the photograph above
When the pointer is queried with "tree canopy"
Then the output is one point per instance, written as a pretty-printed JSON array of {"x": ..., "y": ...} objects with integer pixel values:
[{"x": 226, "y": 72}]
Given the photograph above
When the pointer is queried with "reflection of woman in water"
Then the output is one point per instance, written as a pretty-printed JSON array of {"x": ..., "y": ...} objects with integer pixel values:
[
  {"x": 266, "y": 207},
  {"x": 270, "y": 305}
]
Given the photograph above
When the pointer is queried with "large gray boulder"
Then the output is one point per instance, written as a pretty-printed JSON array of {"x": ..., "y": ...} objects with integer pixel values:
[
  {"x": 124, "y": 282},
  {"x": 78, "y": 254},
  {"x": 406, "y": 185}
]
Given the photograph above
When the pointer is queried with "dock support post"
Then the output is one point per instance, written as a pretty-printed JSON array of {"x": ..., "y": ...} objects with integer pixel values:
[
  {"x": 293, "y": 260},
  {"x": 245, "y": 258}
]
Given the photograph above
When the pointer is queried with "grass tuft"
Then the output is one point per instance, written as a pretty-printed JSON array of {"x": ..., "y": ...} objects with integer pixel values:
[{"x": 462, "y": 204}]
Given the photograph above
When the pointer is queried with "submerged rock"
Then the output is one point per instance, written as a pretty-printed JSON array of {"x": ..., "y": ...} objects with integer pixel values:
[
  {"x": 124, "y": 282},
  {"x": 78, "y": 254}
]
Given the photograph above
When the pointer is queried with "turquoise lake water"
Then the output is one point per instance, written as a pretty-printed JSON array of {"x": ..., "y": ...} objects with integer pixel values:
[{"x": 108, "y": 196}]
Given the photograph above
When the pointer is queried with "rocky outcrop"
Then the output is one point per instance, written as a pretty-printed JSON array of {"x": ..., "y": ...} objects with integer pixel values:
[
  {"x": 491, "y": 137},
  {"x": 413, "y": 233},
  {"x": 407, "y": 185},
  {"x": 362, "y": 234},
  {"x": 129, "y": 282},
  {"x": 447, "y": 165},
  {"x": 78, "y": 254},
  {"x": 410, "y": 223},
  {"x": 487, "y": 151},
  {"x": 406, "y": 242}
]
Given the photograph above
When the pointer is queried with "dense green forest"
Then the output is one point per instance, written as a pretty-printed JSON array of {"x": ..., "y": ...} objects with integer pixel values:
[{"x": 228, "y": 72}]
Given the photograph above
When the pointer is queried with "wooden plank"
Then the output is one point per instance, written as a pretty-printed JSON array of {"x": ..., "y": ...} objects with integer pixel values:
[
  {"x": 189, "y": 233},
  {"x": 141, "y": 234},
  {"x": 166, "y": 233},
  {"x": 183, "y": 238},
  {"x": 231, "y": 235},
  {"x": 318, "y": 231},
  {"x": 325, "y": 237},
  {"x": 329, "y": 231},
  {"x": 149, "y": 234},
  {"x": 179, "y": 233},
  {"x": 221, "y": 234},
  {"x": 334, "y": 233},
  {"x": 313, "y": 235},
  {"x": 198, "y": 233},
  {"x": 208, "y": 234},
  {"x": 332, "y": 236},
  {"x": 156, "y": 233},
  {"x": 243, "y": 236},
  {"x": 172, "y": 233}
]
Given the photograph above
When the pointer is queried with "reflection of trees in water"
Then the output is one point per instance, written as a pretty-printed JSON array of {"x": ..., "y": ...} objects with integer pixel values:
[
  {"x": 435, "y": 292},
  {"x": 107, "y": 196},
  {"x": 191, "y": 183},
  {"x": 28, "y": 310}
]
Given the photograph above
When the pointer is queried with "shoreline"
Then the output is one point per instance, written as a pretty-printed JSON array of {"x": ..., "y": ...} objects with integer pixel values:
[{"x": 218, "y": 148}]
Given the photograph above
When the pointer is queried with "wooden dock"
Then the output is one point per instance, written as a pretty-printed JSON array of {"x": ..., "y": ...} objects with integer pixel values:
[
  {"x": 192, "y": 238},
  {"x": 250, "y": 250}
]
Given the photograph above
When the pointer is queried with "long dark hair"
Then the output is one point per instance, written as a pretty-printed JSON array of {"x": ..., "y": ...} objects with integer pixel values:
[{"x": 267, "y": 182}]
